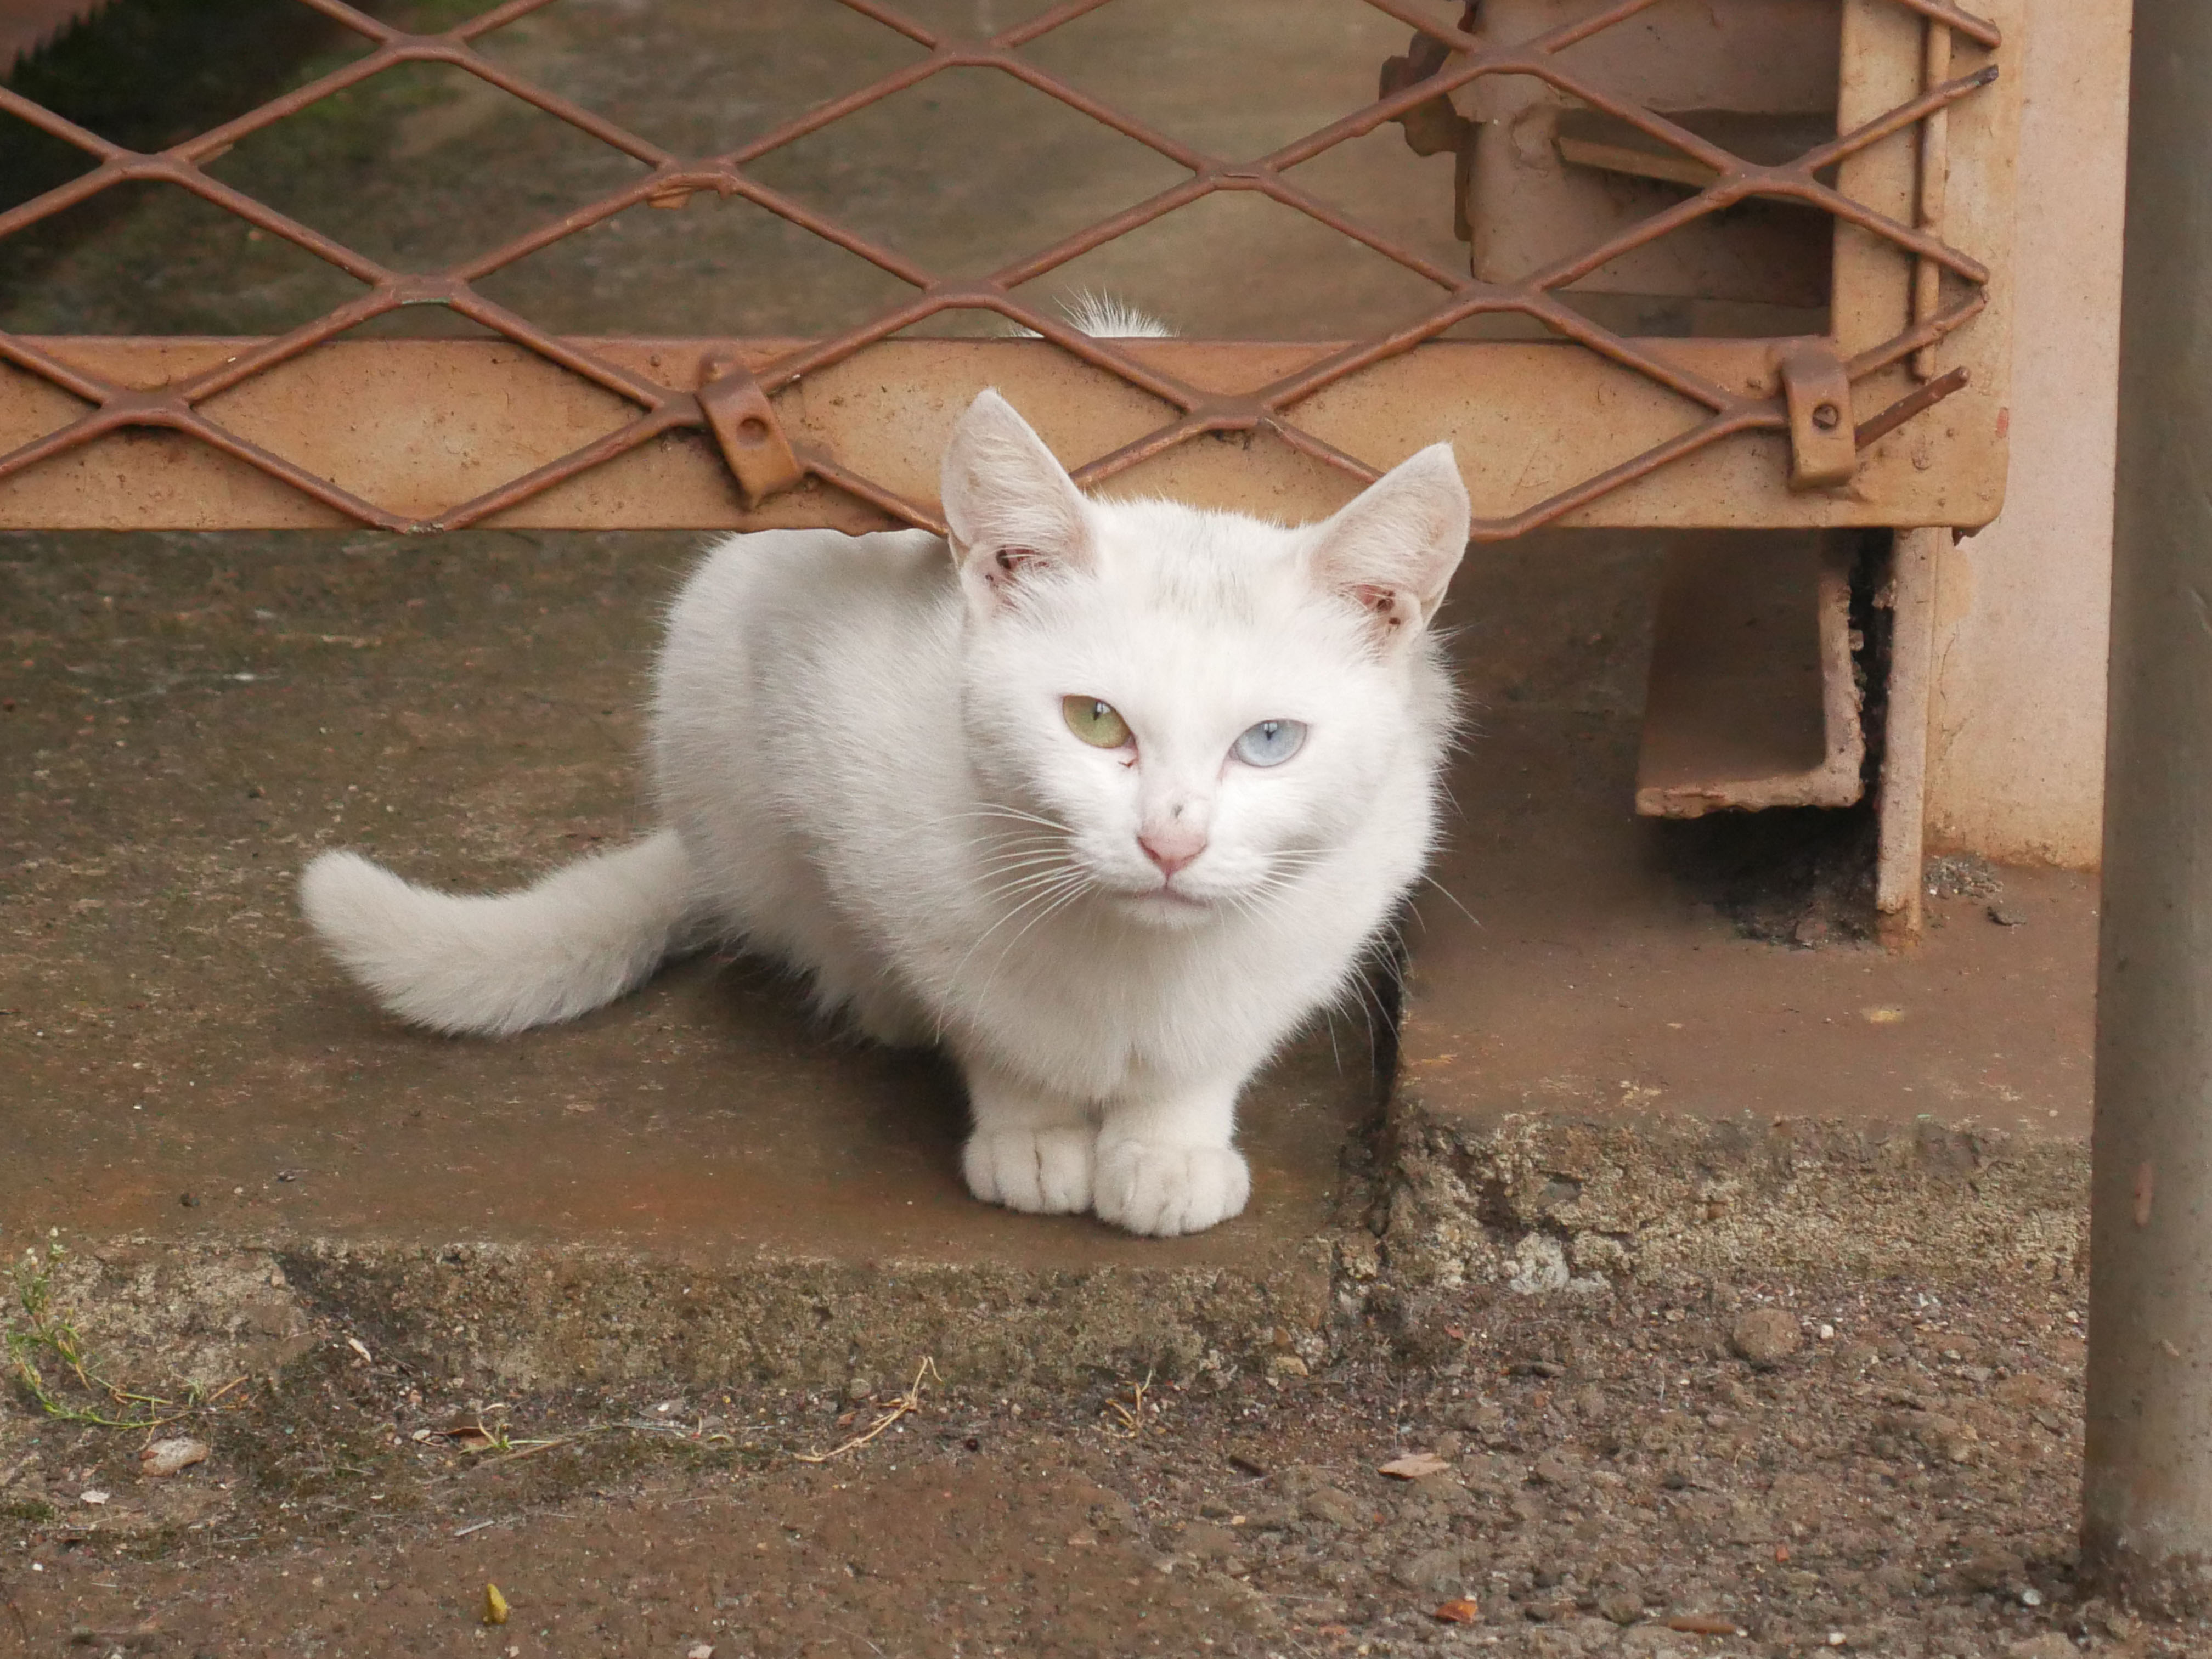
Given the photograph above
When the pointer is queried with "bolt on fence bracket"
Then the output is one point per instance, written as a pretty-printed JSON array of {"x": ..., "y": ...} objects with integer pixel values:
[
  {"x": 744, "y": 423},
  {"x": 1823, "y": 447}
]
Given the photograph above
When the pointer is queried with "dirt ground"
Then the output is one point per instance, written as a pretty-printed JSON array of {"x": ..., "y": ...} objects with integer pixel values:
[{"x": 1893, "y": 1471}]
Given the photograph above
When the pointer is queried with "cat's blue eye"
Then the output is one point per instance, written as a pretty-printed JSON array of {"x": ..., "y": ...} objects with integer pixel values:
[{"x": 1270, "y": 743}]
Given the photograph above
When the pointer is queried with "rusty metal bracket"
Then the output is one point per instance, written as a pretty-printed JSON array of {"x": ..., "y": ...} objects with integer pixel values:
[
  {"x": 1823, "y": 453},
  {"x": 1926, "y": 396},
  {"x": 744, "y": 423}
]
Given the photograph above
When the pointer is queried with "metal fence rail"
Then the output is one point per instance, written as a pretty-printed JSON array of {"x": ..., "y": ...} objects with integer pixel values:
[{"x": 1745, "y": 431}]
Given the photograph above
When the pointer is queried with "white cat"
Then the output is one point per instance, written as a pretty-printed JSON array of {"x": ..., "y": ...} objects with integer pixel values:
[{"x": 1108, "y": 797}]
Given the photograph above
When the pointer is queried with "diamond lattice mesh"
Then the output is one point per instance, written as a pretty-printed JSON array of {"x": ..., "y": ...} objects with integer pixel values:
[{"x": 600, "y": 161}]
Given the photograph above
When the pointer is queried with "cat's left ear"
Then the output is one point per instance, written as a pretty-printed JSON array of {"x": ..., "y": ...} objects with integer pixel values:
[
  {"x": 1013, "y": 511},
  {"x": 1391, "y": 550}
]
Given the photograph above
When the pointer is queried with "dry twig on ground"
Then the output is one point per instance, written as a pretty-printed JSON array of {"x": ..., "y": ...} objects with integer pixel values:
[{"x": 904, "y": 1406}]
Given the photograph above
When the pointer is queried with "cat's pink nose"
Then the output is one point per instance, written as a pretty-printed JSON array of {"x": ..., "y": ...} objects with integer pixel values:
[{"x": 1172, "y": 846}]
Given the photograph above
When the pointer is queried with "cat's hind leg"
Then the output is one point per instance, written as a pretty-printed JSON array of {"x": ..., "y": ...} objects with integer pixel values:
[
  {"x": 884, "y": 1013},
  {"x": 849, "y": 983},
  {"x": 892, "y": 1018},
  {"x": 1165, "y": 1164},
  {"x": 1029, "y": 1150}
]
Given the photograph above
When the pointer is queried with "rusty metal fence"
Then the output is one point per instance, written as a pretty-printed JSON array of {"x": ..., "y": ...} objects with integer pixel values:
[{"x": 1894, "y": 416}]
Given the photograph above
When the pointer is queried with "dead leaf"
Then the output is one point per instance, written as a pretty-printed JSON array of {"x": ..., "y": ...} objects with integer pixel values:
[
  {"x": 1416, "y": 1466},
  {"x": 495, "y": 1611},
  {"x": 1703, "y": 1623},
  {"x": 1460, "y": 1610},
  {"x": 168, "y": 1456}
]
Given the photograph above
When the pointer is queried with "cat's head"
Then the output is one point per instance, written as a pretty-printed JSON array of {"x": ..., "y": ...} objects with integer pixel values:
[{"x": 1197, "y": 710}]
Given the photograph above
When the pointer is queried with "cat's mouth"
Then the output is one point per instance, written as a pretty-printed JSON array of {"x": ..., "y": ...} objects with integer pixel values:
[{"x": 1168, "y": 903}]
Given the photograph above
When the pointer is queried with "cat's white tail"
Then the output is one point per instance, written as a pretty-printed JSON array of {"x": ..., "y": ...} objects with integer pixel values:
[{"x": 501, "y": 962}]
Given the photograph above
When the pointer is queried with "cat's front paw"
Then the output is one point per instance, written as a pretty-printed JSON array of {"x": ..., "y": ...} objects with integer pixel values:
[
  {"x": 1163, "y": 1190},
  {"x": 1044, "y": 1171}
]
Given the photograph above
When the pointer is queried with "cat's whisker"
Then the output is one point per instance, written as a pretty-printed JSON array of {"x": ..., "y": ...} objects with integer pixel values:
[
  {"x": 1050, "y": 898},
  {"x": 1029, "y": 885},
  {"x": 1014, "y": 863},
  {"x": 1009, "y": 846},
  {"x": 994, "y": 810},
  {"x": 991, "y": 808},
  {"x": 1028, "y": 841},
  {"x": 1032, "y": 883},
  {"x": 1370, "y": 1002},
  {"x": 1453, "y": 896},
  {"x": 1270, "y": 886},
  {"x": 1074, "y": 892},
  {"x": 1003, "y": 847},
  {"x": 1291, "y": 863},
  {"x": 1013, "y": 847},
  {"x": 1013, "y": 856},
  {"x": 1075, "y": 879},
  {"x": 1007, "y": 815},
  {"x": 1028, "y": 901}
]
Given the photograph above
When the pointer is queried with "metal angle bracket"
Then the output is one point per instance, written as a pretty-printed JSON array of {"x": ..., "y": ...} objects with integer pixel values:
[
  {"x": 1823, "y": 444},
  {"x": 745, "y": 425}
]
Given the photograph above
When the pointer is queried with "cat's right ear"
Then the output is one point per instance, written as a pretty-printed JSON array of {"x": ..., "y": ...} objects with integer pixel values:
[
  {"x": 1013, "y": 511},
  {"x": 1392, "y": 549}
]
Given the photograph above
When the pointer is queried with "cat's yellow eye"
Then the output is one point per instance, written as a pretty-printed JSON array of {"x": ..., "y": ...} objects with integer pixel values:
[{"x": 1098, "y": 724}]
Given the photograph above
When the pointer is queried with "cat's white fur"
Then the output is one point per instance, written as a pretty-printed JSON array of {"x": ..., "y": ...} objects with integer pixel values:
[
  {"x": 1105, "y": 317},
  {"x": 863, "y": 771}
]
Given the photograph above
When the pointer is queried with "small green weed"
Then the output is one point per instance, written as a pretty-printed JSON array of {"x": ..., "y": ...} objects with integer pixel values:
[{"x": 39, "y": 1337}]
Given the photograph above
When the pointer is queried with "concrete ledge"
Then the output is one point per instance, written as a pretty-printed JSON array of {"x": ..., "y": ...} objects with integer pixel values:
[
  {"x": 1540, "y": 1202},
  {"x": 521, "y": 1316},
  {"x": 533, "y": 1317}
]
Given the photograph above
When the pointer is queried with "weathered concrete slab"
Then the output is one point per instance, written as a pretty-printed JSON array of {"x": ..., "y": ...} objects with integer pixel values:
[{"x": 697, "y": 1178}]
